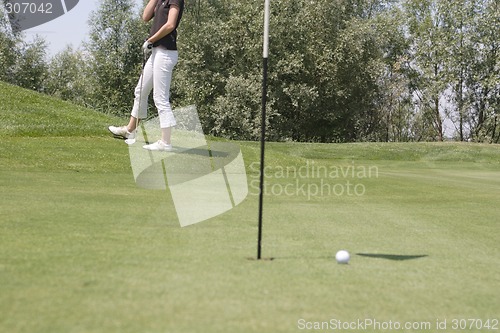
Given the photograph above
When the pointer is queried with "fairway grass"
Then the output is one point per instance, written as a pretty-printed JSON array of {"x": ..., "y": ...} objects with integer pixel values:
[{"x": 83, "y": 249}]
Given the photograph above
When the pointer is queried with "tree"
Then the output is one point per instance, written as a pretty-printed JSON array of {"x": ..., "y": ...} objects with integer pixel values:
[
  {"x": 68, "y": 76},
  {"x": 457, "y": 27},
  {"x": 218, "y": 67},
  {"x": 483, "y": 83},
  {"x": 330, "y": 58},
  {"x": 394, "y": 106},
  {"x": 31, "y": 68},
  {"x": 427, "y": 65},
  {"x": 325, "y": 64},
  {"x": 9, "y": 52},
  {"x": 116, "y": 36}
]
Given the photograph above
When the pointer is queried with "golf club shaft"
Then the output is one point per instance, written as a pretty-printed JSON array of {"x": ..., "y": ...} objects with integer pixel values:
[{"x": 144, "y": 60}]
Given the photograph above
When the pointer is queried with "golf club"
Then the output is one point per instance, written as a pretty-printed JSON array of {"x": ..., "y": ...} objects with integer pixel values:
[{"x": 131, "y": 141}]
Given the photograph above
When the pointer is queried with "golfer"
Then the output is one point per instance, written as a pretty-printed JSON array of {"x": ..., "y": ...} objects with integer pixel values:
[{"x": 157, "y": 72}]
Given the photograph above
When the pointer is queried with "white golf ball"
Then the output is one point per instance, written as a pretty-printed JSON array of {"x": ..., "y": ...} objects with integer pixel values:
[{"x": 342, "y": 257}]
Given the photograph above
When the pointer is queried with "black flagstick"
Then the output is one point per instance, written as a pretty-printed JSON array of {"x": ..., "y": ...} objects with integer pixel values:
[{"x": 263, "y": 122}]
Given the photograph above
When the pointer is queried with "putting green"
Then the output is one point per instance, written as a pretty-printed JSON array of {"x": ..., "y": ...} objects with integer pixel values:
[{"x": 83, "y": 249}]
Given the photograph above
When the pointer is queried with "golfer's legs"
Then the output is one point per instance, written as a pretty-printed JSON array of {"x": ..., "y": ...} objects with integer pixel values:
[
  {"x": 140, "y": 107},
  {"x": 164, "y": 62}
]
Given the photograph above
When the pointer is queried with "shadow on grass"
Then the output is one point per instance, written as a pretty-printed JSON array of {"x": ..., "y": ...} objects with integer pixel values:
[
  {"x": 395, "y": 257},
  {"x": 292, "y": 258}
]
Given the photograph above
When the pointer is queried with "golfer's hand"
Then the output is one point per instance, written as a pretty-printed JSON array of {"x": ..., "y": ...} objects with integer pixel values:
[{"x": 147, "y": 47}]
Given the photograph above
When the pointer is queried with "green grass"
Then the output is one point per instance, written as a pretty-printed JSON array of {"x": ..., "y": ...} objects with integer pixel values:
[{"x": 82, "y": 249}]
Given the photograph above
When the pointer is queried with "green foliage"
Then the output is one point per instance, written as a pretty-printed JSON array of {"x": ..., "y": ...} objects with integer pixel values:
[
  {"x": 31, "y": 66},
  {"x": 339, "y": 71},
  {"x": 218, "y": 67},
  {"x": 22, "y": 63},
  {"x": 116, "y": 36},
  {"x": 425, "y": 23},
  {"x": 238, "y": 112},
  {"x": 325, "y": 63},
  {"x": 8, "y": 48},
  {"x": 483, "y": 82},
  {"x": 455, "y": 57},
  {"x": 68, "y": 77}
]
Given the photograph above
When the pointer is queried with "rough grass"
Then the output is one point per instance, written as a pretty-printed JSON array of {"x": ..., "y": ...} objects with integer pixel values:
[
  {"x": 82, "y": 249},
  {"x": 28, "y": 114}
]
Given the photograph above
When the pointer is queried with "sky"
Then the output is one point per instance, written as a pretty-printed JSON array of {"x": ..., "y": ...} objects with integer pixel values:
[{"x": 69, "y": 29}]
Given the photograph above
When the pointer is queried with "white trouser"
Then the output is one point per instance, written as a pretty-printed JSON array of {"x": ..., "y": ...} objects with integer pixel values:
[{"x": 157, "y": 75}]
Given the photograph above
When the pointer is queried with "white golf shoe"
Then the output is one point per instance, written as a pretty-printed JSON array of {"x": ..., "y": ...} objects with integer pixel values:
[
  {"x": 158, "y": 146},
  {"x": 122, "y": 132}
]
